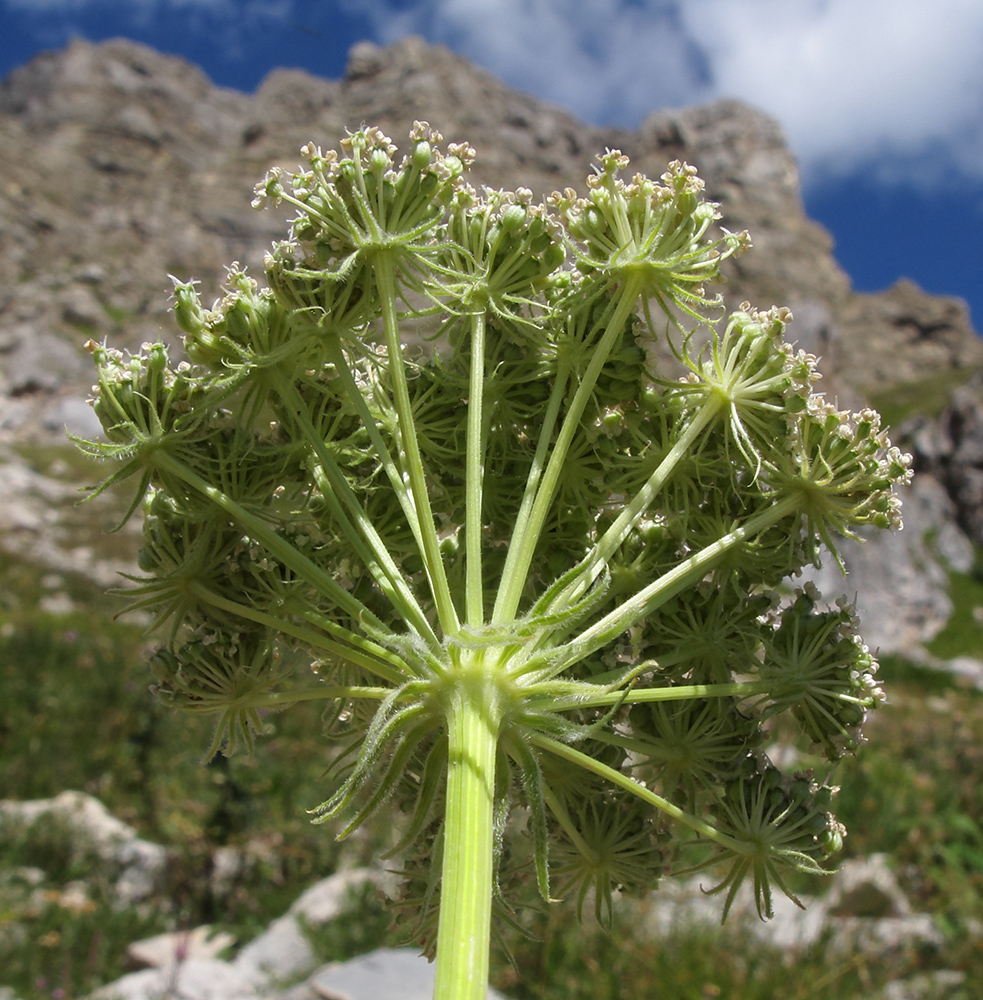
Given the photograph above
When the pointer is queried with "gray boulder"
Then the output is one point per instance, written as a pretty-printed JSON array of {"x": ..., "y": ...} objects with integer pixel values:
[
  {"x": 139, "y": 862},
  {"x": 380, "y": 975}
]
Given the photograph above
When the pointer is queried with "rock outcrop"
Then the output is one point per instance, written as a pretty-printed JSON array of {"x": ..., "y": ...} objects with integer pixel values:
[{"x": 122, "y": 165}]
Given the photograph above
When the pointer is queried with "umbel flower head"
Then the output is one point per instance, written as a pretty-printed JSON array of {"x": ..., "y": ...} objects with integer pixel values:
[{"x": 535, "y": 577}]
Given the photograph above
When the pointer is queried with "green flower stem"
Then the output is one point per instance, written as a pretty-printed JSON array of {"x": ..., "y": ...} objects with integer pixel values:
[
  {"x": 527, "y": 531},
  {"x": 446, "y": 612},
  {"x": 464, "y": 928},
  {"x": 322, "y": 621},
  {"x": 474, "y": 474},
  {"x": 681, "y": 692},
  {"x": 633, "y": 512},
  {"x": 364, "y": 538},
  {"x": 645, "y": 794},
  {"x": 649, "y": 598},
  {"x": 277, "y": 546},
  {"x": 284, "y": 699},
  {"x": 369, "y": 660},
  {"x": 532, "y": 481},
  {"x": 371, "y": 225},
  {"x": 356, "y": 397}
]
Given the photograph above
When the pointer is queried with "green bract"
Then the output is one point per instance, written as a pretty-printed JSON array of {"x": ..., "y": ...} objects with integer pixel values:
[{"x": 535, "y": 575}]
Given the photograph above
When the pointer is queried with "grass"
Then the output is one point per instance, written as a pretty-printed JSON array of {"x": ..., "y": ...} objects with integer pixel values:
[
  {"x": 562, "y": 960},
  {"x": 77, "y": 713},
  {"x": 923, "y": 397},
  {"x": 963, "y": 633}
]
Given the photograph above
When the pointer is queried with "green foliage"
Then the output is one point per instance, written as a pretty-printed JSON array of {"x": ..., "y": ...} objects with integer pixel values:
[
  {"x": 963, "y": 632},
  {"x": 925, "y": 397},
  {"x": 364, "y": 925},
  {"x": 498, "y": 556},
  {"x": 919, "y": 797},
  {"x": 912, "y": 791},
  {"x": 78, "y": 713},
  {"x": 574, "y": 963}
]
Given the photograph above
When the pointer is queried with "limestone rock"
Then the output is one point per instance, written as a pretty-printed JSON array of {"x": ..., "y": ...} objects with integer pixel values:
[
  {"x": 900, "y": 579},
  {"x": 30, "y": 526},
  {"x": 282, "y": 951},
  {"x": 865, "y": 909},
  {"x": 386, "y": 972},
  {"x": 164, "y": 950},
  {"x": 949, "y": 447},
  {"x": 939, "y": 985},
  {"x": 195, "y": 979},
  {"x": 866, "y": 887},
  {"x": 140, "y": 863},
  {"x": 904, "y": 336}
]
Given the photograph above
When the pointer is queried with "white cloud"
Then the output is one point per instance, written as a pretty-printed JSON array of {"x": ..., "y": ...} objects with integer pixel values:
[
  {"x": 608, "y": 60},
  {"x": 854, "y": 82}
]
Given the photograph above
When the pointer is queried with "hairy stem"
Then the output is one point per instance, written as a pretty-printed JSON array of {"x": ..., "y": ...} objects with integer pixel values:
[
  {"x": 464, "y": 929},
  {"x": 634, "y": 696}
]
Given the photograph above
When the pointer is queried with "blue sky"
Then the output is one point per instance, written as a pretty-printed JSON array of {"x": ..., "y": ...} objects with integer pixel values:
[{"x": 882, "y": 100}]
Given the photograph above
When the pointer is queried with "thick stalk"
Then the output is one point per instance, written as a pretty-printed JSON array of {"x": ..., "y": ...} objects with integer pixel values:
[{"x": 464, "y": 930}]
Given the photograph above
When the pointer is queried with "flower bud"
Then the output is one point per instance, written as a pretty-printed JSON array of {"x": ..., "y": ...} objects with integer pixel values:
[
  {"x": 422, "y": 155},
  {"x": 378, "y": 161},
  {"x": 513, "y": 218},
  {"x": 187, "y": 306}
]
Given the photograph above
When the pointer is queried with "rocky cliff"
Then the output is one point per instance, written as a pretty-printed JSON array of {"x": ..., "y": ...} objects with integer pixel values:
[{"x": 120, "y": 165}]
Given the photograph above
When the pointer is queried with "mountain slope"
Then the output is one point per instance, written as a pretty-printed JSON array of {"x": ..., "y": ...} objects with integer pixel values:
[{"x": 121, "y": 165}]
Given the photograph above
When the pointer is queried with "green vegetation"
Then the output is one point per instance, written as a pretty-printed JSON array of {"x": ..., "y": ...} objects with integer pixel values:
[
  {"x": 78, "y": 714},
  {"x": 963, "y": 633},
  {"x": 925, "y": 397},
  {"x": 914, "y": 791}
]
